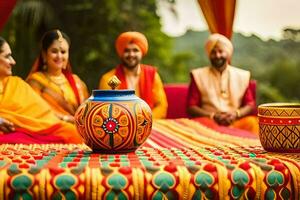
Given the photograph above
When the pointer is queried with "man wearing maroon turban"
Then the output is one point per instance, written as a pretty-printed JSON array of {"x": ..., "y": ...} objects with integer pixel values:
[
  {"x": 144, "y": 79},
  {"x": 221, "y": 91}
]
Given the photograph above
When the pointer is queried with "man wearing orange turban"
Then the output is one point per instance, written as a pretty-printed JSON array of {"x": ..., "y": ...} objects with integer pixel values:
[
  {"x": 221, "y": 91},
  {"x": 144, "y": 79}
]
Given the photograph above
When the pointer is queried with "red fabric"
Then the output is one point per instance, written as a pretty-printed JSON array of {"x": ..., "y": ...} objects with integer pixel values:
[
  {"x": 70, "y": 78},
  {"x": 252, "y": 87},
  {"x": 219, "y": 15},
  {"x": 146, "y": 82},
  {"x": 224, "y": 129},
  {"x": 177, "y": 100},
  {"x": 163, "y": 140},
  {"x": 6, "y": 7},
  {"x": 19, "y": 137},
  {"x": 179, "y": 133},
  {"x": 194, "y": 95},
  {"x": 121, "y": 76},
  {"x": 248, "y": 98}
]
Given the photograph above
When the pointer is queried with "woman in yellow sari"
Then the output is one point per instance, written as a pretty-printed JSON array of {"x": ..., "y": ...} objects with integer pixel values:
[
  {"x": 52, "y": 78},
  {"x": 24, "y": 116}
]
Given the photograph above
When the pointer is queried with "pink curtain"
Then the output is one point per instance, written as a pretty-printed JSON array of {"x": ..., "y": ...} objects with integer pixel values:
[
  {"x": 219, "y": 15},
  {"x": 6, "y": 7}
]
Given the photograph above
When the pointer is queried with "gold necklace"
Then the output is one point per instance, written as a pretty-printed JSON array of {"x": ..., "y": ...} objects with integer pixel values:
[{"x": 58, "y": 80}]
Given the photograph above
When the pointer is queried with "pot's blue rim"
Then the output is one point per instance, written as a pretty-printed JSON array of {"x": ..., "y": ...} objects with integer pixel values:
[
  {"x": 113, "y": 95},
  {"x": 114, "y": 91}
]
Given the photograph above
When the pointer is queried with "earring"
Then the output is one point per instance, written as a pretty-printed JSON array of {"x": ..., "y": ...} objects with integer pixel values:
[{"x": 44, "y": 67}]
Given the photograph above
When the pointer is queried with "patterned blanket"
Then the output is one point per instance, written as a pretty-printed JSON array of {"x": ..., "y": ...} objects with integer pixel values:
[{"x": 182, "y": 159}]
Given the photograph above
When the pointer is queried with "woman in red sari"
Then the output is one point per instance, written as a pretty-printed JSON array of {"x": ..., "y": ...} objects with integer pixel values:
[{"x": 52, "y": 78}]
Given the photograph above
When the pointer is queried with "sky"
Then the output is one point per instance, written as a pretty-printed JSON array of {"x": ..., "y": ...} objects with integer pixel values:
[{"x": 264, "y": 18}]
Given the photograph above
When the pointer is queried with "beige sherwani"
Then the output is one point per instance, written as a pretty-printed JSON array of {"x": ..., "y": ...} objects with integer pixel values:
[{"x": 221, "y": 91}]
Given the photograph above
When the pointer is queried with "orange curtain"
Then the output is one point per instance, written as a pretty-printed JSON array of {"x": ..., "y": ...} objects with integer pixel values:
[
  {"x": 6, "y": 7},
  {"x": 219, "y": 15}
]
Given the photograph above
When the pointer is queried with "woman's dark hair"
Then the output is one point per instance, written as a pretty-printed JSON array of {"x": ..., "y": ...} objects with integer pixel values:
[
  {"x": 52, "y": 35},
  {"x": 2, "y": 41}
]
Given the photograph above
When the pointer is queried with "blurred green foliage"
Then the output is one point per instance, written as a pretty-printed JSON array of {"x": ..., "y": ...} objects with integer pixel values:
[{"x": 93, "y": 26}]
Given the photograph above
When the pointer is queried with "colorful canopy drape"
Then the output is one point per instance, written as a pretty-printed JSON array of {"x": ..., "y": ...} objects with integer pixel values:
[
  {"x": 6, "y": 7},
  {"x": 219, "y": 15}
]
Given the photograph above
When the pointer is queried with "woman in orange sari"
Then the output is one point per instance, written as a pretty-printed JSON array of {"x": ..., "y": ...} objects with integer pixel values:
[
  {"x": 24, "y": 116},
  {"x": 52, "y": 78}
]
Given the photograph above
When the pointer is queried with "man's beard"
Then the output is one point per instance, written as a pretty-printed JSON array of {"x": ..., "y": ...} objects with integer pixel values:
[
  {"x": 218, "y": 62},
  {"x": 131, "y": 64}
]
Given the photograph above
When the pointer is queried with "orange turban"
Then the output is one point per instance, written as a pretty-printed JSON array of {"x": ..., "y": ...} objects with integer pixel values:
[
  {"x": 220, "y": 40},
  {"x": 131, "y": 37}
]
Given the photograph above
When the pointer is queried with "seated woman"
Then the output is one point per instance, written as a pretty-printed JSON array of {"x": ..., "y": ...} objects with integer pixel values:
[
  {"x": 51, "y": 76},
  {"x": 24, "y": 114}
]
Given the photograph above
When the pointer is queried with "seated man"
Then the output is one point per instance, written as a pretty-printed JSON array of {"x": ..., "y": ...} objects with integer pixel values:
[
  {"x": 144, "y": 79},
  {"x": 23, "y": 113},
  {"x": 221, "y": 91}
]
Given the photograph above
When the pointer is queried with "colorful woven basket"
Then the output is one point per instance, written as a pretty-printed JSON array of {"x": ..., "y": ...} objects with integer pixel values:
[{"x": 279, "y": 126}]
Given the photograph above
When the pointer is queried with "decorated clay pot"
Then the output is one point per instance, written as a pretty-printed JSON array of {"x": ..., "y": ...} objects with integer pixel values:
[
  {"x": 279, "y": 126},
  {"x": 114, "y": 121}
]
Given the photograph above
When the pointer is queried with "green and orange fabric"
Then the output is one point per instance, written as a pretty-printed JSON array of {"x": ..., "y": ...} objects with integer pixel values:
[
  {"x": 182, "y": 159},
  {"x": 74, "y": 172}
]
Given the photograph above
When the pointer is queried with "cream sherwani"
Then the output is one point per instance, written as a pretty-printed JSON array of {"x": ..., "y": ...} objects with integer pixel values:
[{"x": 221, "y": 91}]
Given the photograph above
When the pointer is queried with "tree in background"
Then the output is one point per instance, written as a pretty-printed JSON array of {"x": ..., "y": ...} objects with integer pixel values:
[
  {"x": 92, "y": 26},
  {"x": 291, "y": 34},
  {"x": 274, "y": 64},
  {"x": 27, "y": 22}
]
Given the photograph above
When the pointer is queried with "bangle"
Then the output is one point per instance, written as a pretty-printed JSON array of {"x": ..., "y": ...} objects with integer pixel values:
[
  {"x": 238, "y": 113},
  {"x": 211, "y": 116}
]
